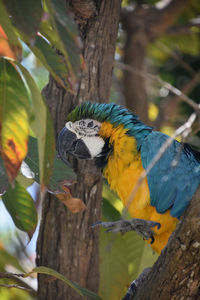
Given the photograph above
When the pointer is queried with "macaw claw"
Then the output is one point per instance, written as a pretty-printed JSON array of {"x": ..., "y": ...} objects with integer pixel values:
[
  {"x": 152, "y": 240},
  {"x": 142, "y": 227}
]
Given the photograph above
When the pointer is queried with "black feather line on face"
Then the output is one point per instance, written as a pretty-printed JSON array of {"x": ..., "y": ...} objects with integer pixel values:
[{"x": 107, "y": 149}]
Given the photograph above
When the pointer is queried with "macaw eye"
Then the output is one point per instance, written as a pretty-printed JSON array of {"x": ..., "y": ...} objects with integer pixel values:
[{"x": 90, "y": 124}]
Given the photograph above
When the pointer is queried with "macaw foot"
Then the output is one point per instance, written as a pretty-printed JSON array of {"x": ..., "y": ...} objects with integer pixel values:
[
  {"x": 142, "y": 227},
  {"x": 133, "y": 287}
]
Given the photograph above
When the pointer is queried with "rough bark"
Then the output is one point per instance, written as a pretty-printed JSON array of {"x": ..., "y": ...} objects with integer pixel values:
[
  {"x": 66, "y": 241},
  {"x": 176, "y": 274},
  {"x": 143, "y": 25}
]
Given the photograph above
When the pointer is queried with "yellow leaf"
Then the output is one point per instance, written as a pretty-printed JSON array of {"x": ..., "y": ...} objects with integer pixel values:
[{"x": 14, "y": 118}]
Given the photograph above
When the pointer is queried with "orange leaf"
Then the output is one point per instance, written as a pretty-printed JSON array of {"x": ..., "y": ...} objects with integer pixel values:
[
  {"x": 5, "y": 48},
  {"x": 75, "y": 205},
  {"x": 2, "y": 33},
  {"x": 8, "y": 49}
]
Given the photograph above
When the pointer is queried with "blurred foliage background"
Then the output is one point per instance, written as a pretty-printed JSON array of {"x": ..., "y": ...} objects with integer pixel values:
[{"x": 172, "y": 55}]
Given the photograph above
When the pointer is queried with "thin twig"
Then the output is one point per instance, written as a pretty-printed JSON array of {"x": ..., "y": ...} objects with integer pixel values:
[
  {"x": 15, "y": 286},
  {"x": 10, "y": 275},
  {"x": 183, "y": 130},
  {"x": 17, "y": 277},
  {"x": 165, "y": 84}
]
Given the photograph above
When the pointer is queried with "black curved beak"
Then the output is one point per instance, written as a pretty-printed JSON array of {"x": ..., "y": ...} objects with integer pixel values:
[{"x": 68, "y": 143}]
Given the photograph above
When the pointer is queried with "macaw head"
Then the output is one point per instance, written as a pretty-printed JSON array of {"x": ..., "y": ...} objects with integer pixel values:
[{"x": 88, "y": 133}]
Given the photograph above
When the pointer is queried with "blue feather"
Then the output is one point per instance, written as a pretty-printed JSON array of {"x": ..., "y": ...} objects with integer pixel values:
[{"x": 171, "y": 187}]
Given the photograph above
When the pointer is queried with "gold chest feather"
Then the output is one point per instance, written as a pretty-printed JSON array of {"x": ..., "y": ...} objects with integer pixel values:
[{"x": 124, "y": 167}]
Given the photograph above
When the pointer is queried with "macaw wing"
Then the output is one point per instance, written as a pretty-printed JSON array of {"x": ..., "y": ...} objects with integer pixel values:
[{"x": 174, "y": 178}]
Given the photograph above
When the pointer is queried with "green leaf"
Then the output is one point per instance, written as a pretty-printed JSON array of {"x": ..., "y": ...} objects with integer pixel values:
[
  {"x": 80, "y": 290},
  {"x": 61, "y": 172},
  {"x": 114, "y": 273},
  {"x": 20, "y": 206},
  {"x": 51, "y": 60},
  {"x": 68, "y": 32},
  {"x": 109, "y": 212},
  {"x": 14, "y": 118},
  {"x": 62, "y": 33},
  {"x": 24, "y": 181},
  {"x": 113, "y": 199},
  {"x": 43, "y": 128},
  {"x": 121, "y": 259},
  {"x": 26, "y": 16}
]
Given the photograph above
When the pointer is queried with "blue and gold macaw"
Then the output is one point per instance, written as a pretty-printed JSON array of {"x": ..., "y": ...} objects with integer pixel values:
[{"x": 123, "y": 147}]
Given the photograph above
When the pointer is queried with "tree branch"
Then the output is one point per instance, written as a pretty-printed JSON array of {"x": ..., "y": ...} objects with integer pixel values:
[
  {"x": 138, "y": 35},
  {"x": 168, "y": 108},
  {"x": 163, "y": 83},
  {"x": 176, "y": 273}
]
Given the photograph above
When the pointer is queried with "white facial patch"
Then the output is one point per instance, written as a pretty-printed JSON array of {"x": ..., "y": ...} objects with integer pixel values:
[
  {"x": 87, "y": 130},
  {"x": 94, "y": 144}
]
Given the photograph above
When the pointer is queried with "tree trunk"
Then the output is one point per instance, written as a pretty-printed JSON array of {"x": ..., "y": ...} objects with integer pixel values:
[
  {"x": 142, "y": 26},
  {"x": 134, "y": 87},
  {"x": 66, "y": 241},
  {"x": 176, "y": 273}
]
